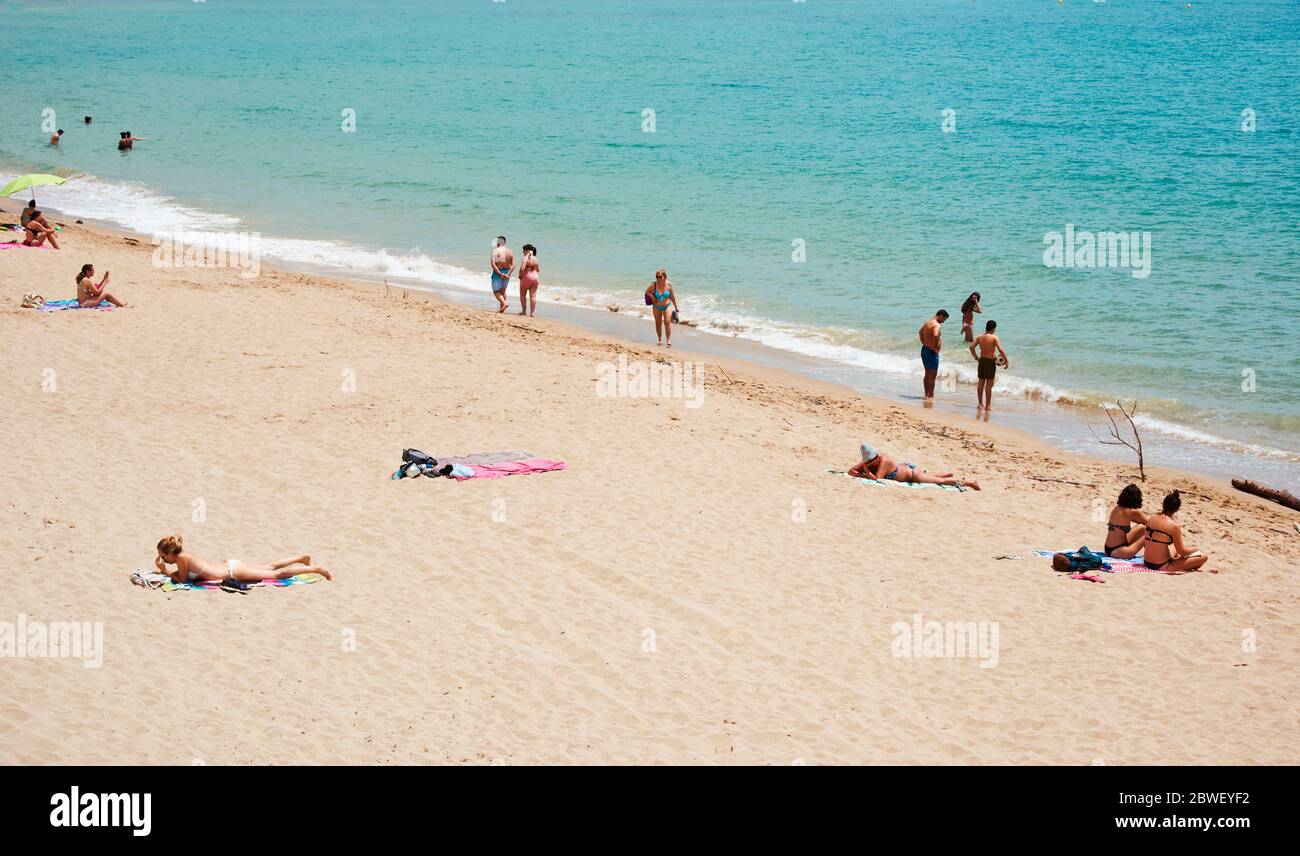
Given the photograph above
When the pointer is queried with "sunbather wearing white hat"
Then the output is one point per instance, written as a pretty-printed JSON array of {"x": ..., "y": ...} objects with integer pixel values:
[{"x": 877, "y": 466}]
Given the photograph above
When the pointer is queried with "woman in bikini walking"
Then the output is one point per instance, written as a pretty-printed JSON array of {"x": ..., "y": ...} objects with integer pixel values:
[
  {"x": 530, "y": 276},
  {"x": 661, "y": 296}
]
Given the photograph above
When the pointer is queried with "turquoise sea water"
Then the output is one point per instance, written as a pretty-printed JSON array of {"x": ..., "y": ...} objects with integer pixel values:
[{"x": 775, "y": 123}]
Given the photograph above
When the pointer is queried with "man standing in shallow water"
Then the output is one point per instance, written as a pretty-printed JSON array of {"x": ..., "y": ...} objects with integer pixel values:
[
  {"x": 931, "y": 344},
  {"x": 991, "y": 355},
  {"x": 502, "y": 261}
]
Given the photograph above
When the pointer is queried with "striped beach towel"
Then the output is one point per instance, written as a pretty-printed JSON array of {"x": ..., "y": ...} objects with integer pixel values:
[{"x": 1117, "y": 566}]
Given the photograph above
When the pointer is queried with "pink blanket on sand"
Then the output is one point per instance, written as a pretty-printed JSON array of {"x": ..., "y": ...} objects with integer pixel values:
[
  {"x": 15, "y": 245},
  {"x": 513, "y": 468}
]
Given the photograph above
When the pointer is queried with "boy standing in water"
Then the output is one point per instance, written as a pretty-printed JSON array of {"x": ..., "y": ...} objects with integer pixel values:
[
  {"x": 990, "y": 357},
  {"x": 502, "y": 261}
]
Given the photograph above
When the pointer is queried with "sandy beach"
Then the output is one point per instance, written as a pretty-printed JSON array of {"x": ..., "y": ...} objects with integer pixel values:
[{"x": 695, "y": 587}]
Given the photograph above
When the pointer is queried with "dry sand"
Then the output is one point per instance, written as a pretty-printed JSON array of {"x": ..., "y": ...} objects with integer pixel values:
[{"x": 665, "y": 599}]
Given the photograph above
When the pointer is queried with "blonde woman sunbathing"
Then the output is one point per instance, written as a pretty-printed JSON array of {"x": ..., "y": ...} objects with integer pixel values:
[
  {"x": 882, "y": 467},
  {"x": 191, "y": 568}
]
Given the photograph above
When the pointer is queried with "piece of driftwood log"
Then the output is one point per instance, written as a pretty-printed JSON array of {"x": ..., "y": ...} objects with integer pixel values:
[{"x": 1281, "y": 497}]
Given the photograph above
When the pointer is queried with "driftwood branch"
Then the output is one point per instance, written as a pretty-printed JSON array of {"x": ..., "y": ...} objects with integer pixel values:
[
  {"x": 1281, "y": 497},
  {"x": 986, "y": 445},
  {"x": 1118, "y": 437},
  {"x": 1062, "y": 481}
]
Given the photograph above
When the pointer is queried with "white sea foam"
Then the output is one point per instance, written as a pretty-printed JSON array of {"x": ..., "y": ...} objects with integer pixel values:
[
  {"x": 129, "y": 205},
  {"x": 1182, "y": 432},
  {"x": 143, "y": 210}
]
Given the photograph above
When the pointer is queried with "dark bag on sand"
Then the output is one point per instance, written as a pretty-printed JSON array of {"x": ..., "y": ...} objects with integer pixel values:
[
  {"x": 1079, "y": 561},
  {"x": 415, "y": 456}
]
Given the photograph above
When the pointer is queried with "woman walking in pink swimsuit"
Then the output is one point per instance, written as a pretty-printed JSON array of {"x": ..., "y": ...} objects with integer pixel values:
[{"x": 530, "y": 276}]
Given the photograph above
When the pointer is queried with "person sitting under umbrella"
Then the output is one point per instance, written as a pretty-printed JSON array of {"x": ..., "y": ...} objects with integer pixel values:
[{"x": 37, "y": 230}]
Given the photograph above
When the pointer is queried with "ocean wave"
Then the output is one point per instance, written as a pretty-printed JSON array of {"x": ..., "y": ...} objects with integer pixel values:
[
  {"x": 1182, "y": 432},
  {"x": 132, "y": 206}
]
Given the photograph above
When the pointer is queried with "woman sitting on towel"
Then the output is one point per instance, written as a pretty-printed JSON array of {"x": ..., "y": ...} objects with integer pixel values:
[
  {"x": 37, "y": 230},
  {"x": 89, "y": 294},
  {"x": 881, "y": 467},
  {"x": 191, "y": 568},
  {"x": 1127, "y": 525},
  {"x": 1165, "y": 550}
]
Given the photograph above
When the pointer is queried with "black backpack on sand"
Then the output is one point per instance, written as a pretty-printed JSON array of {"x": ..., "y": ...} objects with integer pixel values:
[{"x": 415, "y": 456}]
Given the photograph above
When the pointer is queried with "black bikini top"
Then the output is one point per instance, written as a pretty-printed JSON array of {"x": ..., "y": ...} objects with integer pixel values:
[{"x": 1152, "y": 533}]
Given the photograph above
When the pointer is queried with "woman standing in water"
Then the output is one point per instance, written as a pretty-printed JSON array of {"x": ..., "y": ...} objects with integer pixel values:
[
  {"x": 664, "y": 301},
  {"x": 968, "y": 310},
  {"x": 530, "y": 276}
]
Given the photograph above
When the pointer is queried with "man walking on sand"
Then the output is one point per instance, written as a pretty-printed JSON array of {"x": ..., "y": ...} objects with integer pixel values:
[
  {"x": 990, "y": 357},
  {"x": 931, "y": 344},
  {"x": 502, "y": 261}
]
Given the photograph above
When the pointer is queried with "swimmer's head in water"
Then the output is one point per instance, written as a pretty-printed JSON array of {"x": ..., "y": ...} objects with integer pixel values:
[{"x": 170, "y": 546}]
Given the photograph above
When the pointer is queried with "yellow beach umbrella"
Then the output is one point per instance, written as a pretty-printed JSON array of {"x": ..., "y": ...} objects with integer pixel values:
[{"x": 23, "y": 182}]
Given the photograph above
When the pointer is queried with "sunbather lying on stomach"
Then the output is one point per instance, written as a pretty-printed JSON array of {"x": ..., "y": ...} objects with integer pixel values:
[
  {"x": 877, "y": 466},
  {"x": 191, "y": 568}
]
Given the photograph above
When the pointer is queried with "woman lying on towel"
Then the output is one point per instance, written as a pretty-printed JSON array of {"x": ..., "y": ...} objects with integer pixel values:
[
  {"x": 191, "y": 568},
  {"x": 882, "y": 467}
]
